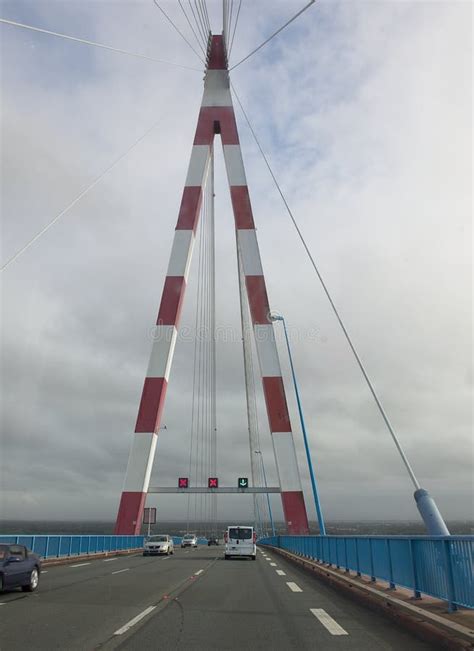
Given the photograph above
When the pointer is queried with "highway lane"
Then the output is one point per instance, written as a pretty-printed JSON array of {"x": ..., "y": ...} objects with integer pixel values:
[
  {"x": 79, "y": 606},
  {"x": 269, "y": 604},
  {"x": 192, "y": 600}
]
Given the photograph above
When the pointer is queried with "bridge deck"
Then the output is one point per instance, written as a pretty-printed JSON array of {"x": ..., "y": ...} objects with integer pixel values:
[{"x": 192, "y": 600}]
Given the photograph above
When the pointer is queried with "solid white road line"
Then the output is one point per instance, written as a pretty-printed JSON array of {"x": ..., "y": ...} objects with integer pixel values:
[
  {"x": 293, "y": 587},
  {"x": 328, "y": 622},
  {"x": 107, "y": 560},
  {"x": 280, "y": 572},
  {"x": 118, "y": 571},
  {"x": 198, "y": 572},
  {"x": 79, "y": 565},
  {"x": 134, "y": 621},
  {"x": 273, "y": 564}
]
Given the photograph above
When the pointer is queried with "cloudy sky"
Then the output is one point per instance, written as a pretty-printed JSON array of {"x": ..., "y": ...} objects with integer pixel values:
[{"x": 364, "y": 110}]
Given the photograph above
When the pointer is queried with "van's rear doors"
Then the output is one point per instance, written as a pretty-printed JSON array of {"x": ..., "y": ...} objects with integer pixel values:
[{"x": 240, "y": 541}]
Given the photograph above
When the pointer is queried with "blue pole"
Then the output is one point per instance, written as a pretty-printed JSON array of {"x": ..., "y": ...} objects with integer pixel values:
[
  {"x": 322, "y": 528},
  {"x": 266, "y": 486}
]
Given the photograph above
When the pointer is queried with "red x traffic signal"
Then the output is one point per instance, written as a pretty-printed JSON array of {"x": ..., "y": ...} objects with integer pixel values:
[
  {"x": 212, "y": 482},
  {"x": 183, "y": 482}
]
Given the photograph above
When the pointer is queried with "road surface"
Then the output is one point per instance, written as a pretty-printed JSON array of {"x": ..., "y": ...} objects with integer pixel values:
[{"x": 191, "y": 600}]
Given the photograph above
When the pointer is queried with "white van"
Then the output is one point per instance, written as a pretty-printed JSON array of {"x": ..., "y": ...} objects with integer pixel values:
[{"x": 240, "y": 541}]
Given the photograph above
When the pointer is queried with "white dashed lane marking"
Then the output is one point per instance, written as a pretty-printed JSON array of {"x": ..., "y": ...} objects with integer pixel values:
[
  {"x": 134, "y": 621},
  {"x": 293, "y": 587},
  {"x": 119, "y": 571},
  {"x": 328, "y": 622},
  {"x": 107, "y": 560},
  {"x": 199, "y": 572},
  {"x": 80, "y": 565},
  {"x": 273, "y": 564},
  {"x": 280, "y": 572}
]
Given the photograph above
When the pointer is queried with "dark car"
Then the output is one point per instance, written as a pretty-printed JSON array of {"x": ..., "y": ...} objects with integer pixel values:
[
  {"x": 19, "y": 568},
  {"x": 212, "y": 541}
]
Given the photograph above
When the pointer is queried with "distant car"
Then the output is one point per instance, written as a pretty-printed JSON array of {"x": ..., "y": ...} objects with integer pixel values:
[
  {"x": 19, "y": 568},
  {"x": 212, "y": 541},
  {"x": 162, "y": 544},
  {"x": 189, "y": 540}
]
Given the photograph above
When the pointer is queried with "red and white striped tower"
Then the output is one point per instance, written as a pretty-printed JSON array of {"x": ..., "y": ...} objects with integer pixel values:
[{"x": 216, "y": 116}]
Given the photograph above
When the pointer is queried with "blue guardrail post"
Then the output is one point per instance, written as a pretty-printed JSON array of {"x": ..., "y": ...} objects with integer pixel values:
[{"x": 449, "y": 576}]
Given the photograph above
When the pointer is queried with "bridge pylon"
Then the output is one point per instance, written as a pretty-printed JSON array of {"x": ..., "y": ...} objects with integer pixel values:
[{"x": 216, "y": 116}]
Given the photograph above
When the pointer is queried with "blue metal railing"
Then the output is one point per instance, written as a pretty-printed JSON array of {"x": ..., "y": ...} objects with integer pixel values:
[
  {"x": 60, "y": 545},
  {"x": 438, "y": 566}
]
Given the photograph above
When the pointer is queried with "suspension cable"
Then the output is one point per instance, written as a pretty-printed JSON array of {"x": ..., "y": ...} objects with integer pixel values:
[
  {"x": 78, "y": 198},
  {"x": 274, "y": 34},
  {"x": 208, "y": 22},
  {"x": 94, "y": 44},
  {"x": 199, "y": 370},
  {"x": 202, "y": 453},
  {"x": 230, "y": 18},
  {"x": 207, "y": 352},
  {"x": 202, "y": 19},
  {"x": 229, "y": 31},
  {"x": 178, "y": 30},
  {"x": 197, "y": 23},
  {"x": 190, "y": 25},
  {"x": 235, "y": 27},
  {"x": 194, "y": 402},
  {"x": 333, "y": 306},
  {"x": 224, "y": 20},
  {"x": 213, "y": 465}
]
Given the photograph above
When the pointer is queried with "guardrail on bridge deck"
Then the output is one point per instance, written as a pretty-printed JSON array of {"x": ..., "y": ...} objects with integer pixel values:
[
  {"x": 59, "y": 546},
  {"x": 441, "y": 567}
]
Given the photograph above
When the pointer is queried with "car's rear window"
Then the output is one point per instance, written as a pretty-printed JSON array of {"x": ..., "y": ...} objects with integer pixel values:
[{"x": 240, "y": 533}]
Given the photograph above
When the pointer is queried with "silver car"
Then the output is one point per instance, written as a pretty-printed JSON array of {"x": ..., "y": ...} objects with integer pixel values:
[
  {"x": 189, "y": 540},
  {"x": 161, "y": 544}
]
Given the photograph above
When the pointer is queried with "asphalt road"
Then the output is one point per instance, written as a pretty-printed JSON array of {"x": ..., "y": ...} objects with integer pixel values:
[{"x": 192, "y": 600}]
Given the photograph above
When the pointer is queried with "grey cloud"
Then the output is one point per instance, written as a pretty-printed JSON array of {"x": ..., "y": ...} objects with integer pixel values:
[{"x": 368, "y": 137}]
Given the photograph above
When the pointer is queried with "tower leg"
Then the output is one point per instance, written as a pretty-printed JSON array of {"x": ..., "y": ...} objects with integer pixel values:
[{"x": 142, "y": 454}]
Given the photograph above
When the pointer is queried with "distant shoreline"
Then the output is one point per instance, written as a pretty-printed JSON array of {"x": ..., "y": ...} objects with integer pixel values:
[{"x": 176, "y": 527}]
